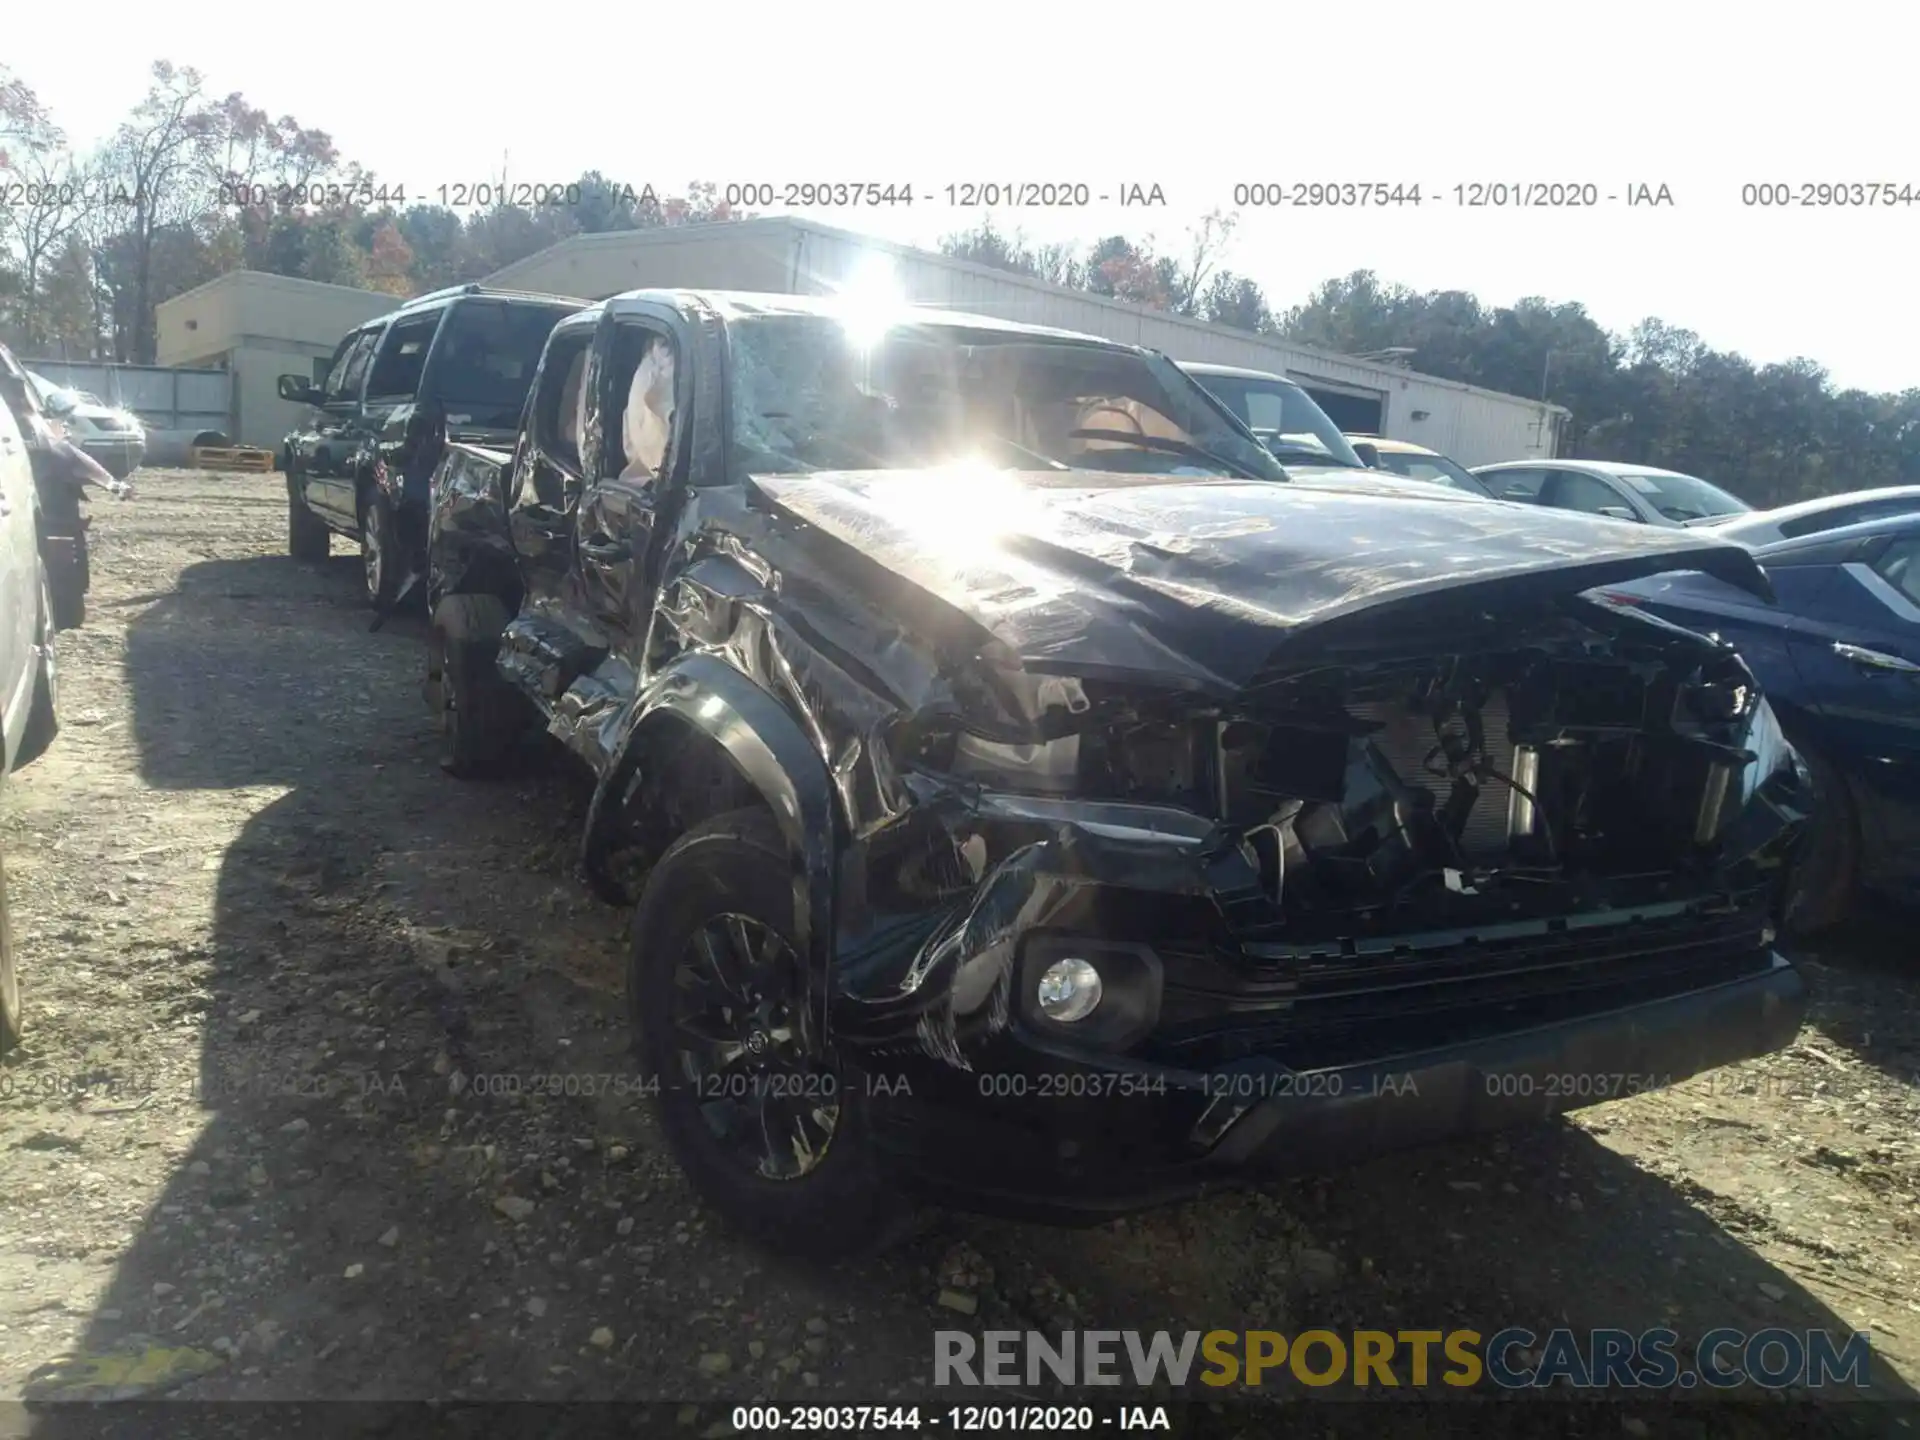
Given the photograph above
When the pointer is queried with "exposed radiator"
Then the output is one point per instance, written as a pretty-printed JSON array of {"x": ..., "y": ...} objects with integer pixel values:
[{"x": 1407, "y": 740}]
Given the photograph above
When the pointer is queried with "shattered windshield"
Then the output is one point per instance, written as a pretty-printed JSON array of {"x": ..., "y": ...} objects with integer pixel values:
[{"x": 806, "y": 396}]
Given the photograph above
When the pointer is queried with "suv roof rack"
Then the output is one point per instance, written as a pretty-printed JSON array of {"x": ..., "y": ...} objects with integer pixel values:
[{"x": 455, "y": 292}]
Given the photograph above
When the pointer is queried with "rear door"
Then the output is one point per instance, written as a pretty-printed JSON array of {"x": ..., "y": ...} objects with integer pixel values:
[
  {"x": 1586, "y": 494},
  {"x": 328, "y": 451},
  {"x": 393, "y": 386}
]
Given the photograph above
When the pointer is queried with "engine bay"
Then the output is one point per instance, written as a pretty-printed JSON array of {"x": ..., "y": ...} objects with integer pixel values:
[{"x": 1585, "y": 763}]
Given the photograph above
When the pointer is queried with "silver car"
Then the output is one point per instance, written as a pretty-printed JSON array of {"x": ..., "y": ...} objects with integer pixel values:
[
  {"x": 112, "y": 435},
  {"x": 27, "y": 723},
  {"x": 1810, "y": 517},
  {"x": 1612, "y": 490}
]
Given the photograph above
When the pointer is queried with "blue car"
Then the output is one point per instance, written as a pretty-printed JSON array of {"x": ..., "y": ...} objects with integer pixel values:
[{"x": 1839, "y": 657}]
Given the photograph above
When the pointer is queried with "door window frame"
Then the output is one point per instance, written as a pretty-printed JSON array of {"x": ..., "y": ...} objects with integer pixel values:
[
  {"x": 610, "y": 392},
  {"x": 406, "y": 325},
  {"x": 358, "y": 363},
  {"x": 1621, "y": 499}
]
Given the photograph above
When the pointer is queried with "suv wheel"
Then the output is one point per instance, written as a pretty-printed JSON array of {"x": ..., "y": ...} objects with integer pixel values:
[
  {"x": 308, "y": 539},
  {"x": 10, "y": 1018},
  {"x": 481, "y": 715},
  {"x": 379, "y": 550},
  {"x": 769, "y": 1128},
  {"x": 1824, "y": 884}
]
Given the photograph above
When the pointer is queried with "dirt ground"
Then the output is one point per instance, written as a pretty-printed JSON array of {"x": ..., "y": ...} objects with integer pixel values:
[{"x": 281, "y": 1127}]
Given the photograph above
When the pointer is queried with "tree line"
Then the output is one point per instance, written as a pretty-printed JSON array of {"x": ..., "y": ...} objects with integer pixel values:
[
  {"x": 191, "y": 185},
  {"x": 1656, "y": 395}
]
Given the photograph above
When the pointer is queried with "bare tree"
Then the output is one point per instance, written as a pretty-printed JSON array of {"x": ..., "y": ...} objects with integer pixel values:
[
  {"x": 1206, "y": 243},
  {"x": 41, "y": 230},
  {"x": 157, "y": 167},
  {"x": 25, "y": 125}
]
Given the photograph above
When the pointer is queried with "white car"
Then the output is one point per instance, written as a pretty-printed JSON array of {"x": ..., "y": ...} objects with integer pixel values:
[
  {"x": 1810, "y": 517},
  {"x": 1611, "y": 490},
  {"x": 111, "y": 435},
  {"x": 27, "y": 675}
]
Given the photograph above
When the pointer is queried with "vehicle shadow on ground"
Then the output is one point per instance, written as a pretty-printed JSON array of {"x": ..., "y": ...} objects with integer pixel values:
[
  {"x": 1867, "y": 978},
  {"x": 426, "y": 1168}
]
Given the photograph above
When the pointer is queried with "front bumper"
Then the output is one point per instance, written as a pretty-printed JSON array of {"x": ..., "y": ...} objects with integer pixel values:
[{"x": 1037, "y": 1133}]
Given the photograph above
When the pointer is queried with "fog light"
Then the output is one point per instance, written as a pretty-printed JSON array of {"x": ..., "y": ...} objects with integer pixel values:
[{"x": 1068, "y": 990}]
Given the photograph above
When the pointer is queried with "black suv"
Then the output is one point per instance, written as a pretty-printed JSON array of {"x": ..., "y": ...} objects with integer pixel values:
[
  {"x": 453, "y": 364},
  {"x": 1031, "y": 791}
]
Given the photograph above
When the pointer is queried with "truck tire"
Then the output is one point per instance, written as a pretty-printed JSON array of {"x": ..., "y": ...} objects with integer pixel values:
[
  {"x": 308, "y": 539},
  {"x": 10, "y": 1017},
  {"x": 481, "y": 715},
  {"x": 817, "y": 1189},
  {"x": 1823, "y": 887},
  {"x": 381, "y": 560}
]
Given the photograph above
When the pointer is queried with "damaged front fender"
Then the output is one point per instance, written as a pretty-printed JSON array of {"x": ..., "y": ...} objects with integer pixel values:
[{"x": 699, "y": 695}]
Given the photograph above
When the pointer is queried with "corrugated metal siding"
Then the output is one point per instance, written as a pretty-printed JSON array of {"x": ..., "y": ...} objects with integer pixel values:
[
  {"x": 165, "y": 397},
  {"x": 720, "y": 257}
]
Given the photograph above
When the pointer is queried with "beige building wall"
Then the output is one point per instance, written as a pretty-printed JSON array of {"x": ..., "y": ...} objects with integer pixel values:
[
  {"x": 260, "y": 416},
  {"x": 260, "y": 326}
]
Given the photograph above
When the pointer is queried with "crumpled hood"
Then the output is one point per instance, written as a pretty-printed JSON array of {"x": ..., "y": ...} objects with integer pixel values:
[{"x": 1197, "y": 583}]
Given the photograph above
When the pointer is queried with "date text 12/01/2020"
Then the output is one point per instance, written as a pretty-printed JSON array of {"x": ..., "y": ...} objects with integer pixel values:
[
  {"x": 30, "y": 1087},
  {"x": 1470, "y": 195},
  {"x": 1244, "y": 1085},
  {"x": 959, "y": 1419}
]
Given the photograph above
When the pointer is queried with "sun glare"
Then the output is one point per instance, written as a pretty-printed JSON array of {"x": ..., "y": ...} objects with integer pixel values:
[
  {"x": 963, "y": 503},
  {"x": 871, "y": 300}
]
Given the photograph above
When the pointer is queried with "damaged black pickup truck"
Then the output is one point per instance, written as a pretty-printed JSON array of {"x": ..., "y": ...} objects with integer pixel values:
[{"x": 1032, "y": 795}]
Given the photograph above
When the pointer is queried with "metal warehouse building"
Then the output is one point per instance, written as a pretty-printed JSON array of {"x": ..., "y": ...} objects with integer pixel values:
[
  {"x": 257, "y": 327},
  {"x": 788, "y": 256}
]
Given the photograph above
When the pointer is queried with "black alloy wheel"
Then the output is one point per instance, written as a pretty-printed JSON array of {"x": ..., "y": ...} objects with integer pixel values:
[{"x": 771, "y": 1105}]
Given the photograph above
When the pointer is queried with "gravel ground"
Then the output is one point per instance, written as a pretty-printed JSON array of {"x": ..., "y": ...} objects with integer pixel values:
[{"x": 284, "y": 980}]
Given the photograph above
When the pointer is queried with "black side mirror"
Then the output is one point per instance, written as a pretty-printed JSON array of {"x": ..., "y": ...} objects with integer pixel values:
[
  {"x": 1617, "y": 512},
  {"x": 300, "y": 390},
  {"x": 1368, "y": 452}
]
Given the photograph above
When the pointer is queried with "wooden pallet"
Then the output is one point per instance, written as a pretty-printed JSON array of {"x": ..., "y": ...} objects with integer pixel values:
[{"x": 239, "y": 457}]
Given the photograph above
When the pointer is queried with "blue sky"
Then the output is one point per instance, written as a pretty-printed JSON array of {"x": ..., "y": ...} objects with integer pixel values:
[{"x": 1195, "y": 98}]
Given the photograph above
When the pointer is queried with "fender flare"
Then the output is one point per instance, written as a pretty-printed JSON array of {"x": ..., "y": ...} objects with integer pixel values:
[{"x": 704, "y": 695}]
